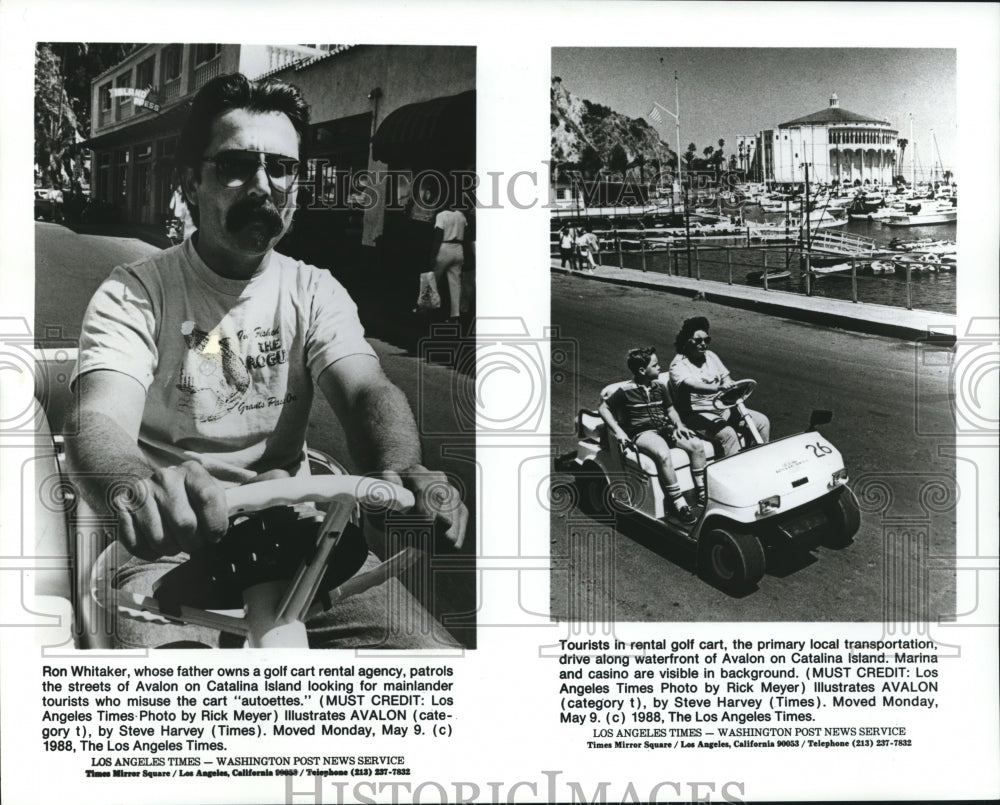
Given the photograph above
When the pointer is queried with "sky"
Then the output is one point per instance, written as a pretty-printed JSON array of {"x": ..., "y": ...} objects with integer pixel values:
[{"x": 726, "y": 92}]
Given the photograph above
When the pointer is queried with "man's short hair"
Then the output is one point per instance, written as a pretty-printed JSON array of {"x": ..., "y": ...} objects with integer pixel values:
[
  {"x": 689, "y": 328},
  {"x": 639, "y": 358},
  {"x": 236, "y": 91}
]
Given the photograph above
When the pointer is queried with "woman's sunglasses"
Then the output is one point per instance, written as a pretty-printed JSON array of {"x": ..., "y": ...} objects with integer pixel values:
[{"x": 236, "y": 168}]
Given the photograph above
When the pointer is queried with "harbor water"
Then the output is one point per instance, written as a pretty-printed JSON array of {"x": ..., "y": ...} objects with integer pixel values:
[{"x": 732, "y": 259}]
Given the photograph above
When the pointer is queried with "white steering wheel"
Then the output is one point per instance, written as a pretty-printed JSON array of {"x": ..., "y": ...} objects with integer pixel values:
[
  {"x": 276, "y": 609},
  {"x": 737, "y": 393}
]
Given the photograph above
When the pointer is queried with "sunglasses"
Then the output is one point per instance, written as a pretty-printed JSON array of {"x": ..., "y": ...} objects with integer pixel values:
[
  {"x": 706, "y": 340},
  {"x": 236, "y": 168}
]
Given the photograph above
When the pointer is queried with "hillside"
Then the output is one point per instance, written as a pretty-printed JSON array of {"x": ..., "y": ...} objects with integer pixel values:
[{"x": 588, "y": 136}]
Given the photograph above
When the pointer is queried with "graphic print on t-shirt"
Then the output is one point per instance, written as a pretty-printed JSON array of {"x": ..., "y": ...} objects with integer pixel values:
[{"x": 217, "y": 369}]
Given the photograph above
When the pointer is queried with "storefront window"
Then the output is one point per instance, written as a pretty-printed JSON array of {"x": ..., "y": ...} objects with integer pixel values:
[
  {"x": 170, "y": 59},
  {"x": 144, "y": 73},
  {"x": 103, "y": 176},
  {"x": 207, "y": 65},
  {"x": 143, "y": 185},
  {"x": 123, "y": 104},
  {"x": 204, "y": 53},
  {"x": 170, "y": 71},
  {"x": 122, "y": 175},
  {"x": 104, "y": 103}
]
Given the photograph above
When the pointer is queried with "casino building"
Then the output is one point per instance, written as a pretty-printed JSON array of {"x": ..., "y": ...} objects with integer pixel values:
[{"x": 839, "y": 146}]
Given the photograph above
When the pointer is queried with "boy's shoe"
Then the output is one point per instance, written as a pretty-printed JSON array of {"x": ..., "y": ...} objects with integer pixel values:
[{"x": 687, "y": 515}]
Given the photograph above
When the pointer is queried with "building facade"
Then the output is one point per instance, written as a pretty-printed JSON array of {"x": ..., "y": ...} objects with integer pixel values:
[
  {"x": 374, "y": 109},
  {"x": 139, "y": 106},
  {"x": 838, "y": 145},
  {"x": 381, "y": 116}
]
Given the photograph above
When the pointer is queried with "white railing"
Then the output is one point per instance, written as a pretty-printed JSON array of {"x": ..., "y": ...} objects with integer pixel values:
[
  {"x": 172, "y": 89},
  {"x": 842, "y": 243},
  {"x": 204, "y": 73}
]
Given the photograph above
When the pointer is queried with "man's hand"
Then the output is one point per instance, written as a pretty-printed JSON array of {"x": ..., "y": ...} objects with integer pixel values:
[
  {"x": 176, "y": 509},
  {"x": 436, "y": 498},
  {"x": 623, "y": 440},
  {"x": 685, "y": 432}
]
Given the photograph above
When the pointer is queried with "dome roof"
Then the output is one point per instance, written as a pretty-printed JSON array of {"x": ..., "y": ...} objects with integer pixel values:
[{"x": 833, "y": 114}]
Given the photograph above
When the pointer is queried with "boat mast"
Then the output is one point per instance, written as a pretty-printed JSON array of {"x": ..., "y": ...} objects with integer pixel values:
[
  {"x": 763, "y": 156},
  {"x": 938, "y": 152},
  {"x": 913, "y": 161},
  {"x": 677, "y": 122}
]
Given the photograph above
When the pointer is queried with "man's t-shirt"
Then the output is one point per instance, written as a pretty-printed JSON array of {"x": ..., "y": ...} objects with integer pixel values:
[
  {"x": 712, "y": 371},
  {"x": 638, "y": 407},
  {"x": 228, "y": 365}
]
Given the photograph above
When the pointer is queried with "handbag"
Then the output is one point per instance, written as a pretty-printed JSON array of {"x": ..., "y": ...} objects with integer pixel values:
[{"x": 428, "y": 297}]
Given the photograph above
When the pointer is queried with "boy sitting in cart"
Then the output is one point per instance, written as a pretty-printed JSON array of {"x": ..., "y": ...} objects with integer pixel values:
[{"x": 640, "y": 412}]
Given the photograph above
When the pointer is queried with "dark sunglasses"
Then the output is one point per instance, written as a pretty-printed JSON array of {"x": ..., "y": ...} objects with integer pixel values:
[
  {"x": 236, "y": 168},
  {"x": 706, "y": 340}
]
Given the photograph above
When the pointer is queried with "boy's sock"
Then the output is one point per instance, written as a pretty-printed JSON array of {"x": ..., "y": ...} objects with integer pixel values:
[{"x": 699, "y": 486}]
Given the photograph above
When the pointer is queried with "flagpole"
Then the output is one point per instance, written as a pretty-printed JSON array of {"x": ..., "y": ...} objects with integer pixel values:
[
  {"x": 677, "y": 123},
  {"x": 677, "y": 120}
]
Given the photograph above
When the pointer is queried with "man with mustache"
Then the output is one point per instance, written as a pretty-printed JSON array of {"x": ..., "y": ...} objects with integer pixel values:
[{"x": 197, "y": 369}]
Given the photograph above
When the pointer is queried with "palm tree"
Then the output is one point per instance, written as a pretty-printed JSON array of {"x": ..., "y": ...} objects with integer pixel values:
[
  {"x": 902, "y": 142},
  {"x": 718, "y": 158},
  {"x": 689, "y": 154}
]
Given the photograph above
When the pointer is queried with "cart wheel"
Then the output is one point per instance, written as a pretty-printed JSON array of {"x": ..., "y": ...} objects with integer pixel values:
[
  {"x": 594, "y": 491},
  {"x": 731, "y": 560},
  {"x": 844, "y": 519}
]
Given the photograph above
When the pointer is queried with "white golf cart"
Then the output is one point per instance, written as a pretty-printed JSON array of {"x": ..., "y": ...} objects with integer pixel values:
[
  {"x": 786, "y": 493},
  {"x": 278, "y": 564}
]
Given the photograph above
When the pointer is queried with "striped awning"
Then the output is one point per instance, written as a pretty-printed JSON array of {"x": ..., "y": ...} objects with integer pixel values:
[{"x": 442, "y": 130}]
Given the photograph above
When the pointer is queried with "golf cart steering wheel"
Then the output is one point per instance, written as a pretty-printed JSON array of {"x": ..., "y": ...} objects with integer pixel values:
[
  {"x": 274, "y": 564},
  {"x": 738, "y": 392}
]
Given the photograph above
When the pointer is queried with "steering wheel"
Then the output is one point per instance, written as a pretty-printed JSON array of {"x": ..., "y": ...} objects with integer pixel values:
[
  {"x": 273, "y": 564},
  {"x": 739, "y": 392}
]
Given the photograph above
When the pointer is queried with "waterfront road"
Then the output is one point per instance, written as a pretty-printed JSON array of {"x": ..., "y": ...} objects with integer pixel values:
[
  {"x": 888, "y": 397},
  {"x": 69, "y": 266}
]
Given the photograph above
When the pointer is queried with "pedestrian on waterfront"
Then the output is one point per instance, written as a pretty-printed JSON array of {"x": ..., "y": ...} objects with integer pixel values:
[
  {"x": 567, "y": 247},
  {"x": 697, "y": 375},
  {"x": 640, "y": 411},
  {"x": 198, "y": 365},
  {"x": 589, "y": 246},
  {"x": 449, "y": 255}
]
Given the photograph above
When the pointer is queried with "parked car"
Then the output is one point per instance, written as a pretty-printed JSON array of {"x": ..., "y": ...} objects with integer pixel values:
[{"x": 48, "y": 204}]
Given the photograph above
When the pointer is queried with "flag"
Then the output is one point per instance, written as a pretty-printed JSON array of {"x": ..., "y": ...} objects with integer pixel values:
[{"x": 655, "y": 115}]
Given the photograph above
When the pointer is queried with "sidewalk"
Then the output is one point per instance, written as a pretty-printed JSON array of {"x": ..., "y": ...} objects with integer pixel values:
[{"x": 862, "y": 317}]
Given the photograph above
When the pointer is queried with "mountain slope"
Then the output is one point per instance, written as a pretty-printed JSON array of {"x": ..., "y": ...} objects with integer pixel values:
[{"x": 588, "y": 136}]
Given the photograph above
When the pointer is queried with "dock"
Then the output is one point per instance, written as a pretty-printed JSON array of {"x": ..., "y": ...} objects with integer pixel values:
[{"x": 863, "y": 317}]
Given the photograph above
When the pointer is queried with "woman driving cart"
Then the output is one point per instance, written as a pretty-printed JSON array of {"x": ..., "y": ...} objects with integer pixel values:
[{"x": 698, "y": 375}]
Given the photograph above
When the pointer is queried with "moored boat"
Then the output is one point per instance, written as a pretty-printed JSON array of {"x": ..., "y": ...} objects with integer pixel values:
[
  {"x": 758, "y": 277},
  {"x": 923, "y": 214},
  {"x": 882, "y": 266}
]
